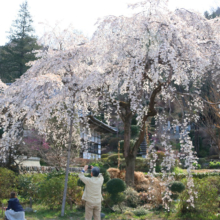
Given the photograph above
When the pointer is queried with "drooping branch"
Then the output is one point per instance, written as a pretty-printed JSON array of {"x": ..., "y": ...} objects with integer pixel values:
[{"x": 151, "y": 112}]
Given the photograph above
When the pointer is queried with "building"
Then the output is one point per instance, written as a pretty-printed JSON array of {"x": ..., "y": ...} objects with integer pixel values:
[{"x": 97, "y": 128}]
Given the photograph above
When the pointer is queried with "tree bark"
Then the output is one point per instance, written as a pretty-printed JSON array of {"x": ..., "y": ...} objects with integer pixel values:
[
  {"x": 128, "y": 152},
  {"x": 131, "y": 152},
  {"x": 67, "y": 168},
  {"x": 130, "y": 167}
]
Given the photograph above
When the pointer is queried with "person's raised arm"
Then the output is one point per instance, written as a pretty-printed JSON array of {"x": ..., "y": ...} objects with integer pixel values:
[{"x": 82, "y": 176}]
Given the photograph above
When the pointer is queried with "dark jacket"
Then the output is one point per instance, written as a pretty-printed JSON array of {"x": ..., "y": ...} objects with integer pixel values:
[{"x": 14, "y": 204}]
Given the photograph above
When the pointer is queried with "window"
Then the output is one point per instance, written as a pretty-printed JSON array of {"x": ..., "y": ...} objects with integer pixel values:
[{"x": 93, "y": 148}]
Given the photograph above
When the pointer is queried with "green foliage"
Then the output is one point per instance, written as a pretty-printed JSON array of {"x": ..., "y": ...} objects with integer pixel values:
[
  {"x": 131, "y": 197},
  {"x": 105, "y": 174},
  {"x": 214, "y": 165},
  {"x": 48, "y": 188},
  {"x": 215, "y": 13},
  {"x": 117, "y": 198},
  {"x": 81, "y": 183},
  {"x": 104, "y": 156},
  {"x": 134, "y": 121},
  {"x": 74, "y": 192},
  {"x": 55, "y": 173},
  {"x": 206, "y": 201},
  {"x": 97, "y": 164},
  {"x": 158, "y": 168},
  {"x": 174, "y": 196},
  {"x": 28, "y": 188},
  {"x": 19, "y": 50},
  {"x": 197, "y": 165},
  {"x": 176, "y": 187},
  {"x": 113, "y": 159},
  {"x": 8, "y": 183},
  {"x": 141, "y": 164},
  {"x": 51, "y": 192},
  {"x": 113, "y": 143},
  {"x": 140, "y": 211},
  {"x": 203, "y": 153},
  {"x": 178, "y": 170},
  {"x": 134, "y": 130},
  {"x": 215, "y": 182},
  {"x": 115, "y": 186},
  {"x": 202, "y": 161}
]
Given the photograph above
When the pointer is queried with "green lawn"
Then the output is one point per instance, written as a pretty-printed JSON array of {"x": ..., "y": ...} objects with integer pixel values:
[{"x": 43, "y": 213}]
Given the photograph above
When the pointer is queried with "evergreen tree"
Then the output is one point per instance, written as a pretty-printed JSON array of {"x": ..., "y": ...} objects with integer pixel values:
[
  {"x": 215, "y": 13},
  {"x": 19, "y": 50}
]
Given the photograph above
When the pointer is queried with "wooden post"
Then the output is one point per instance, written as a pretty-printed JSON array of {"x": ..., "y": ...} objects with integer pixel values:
[
  {"x": 67, "y": 167},
  {"x": 147, "y": 139},
  {"x": 31, "y": 201},
  {"x": 118, "y": 154}
]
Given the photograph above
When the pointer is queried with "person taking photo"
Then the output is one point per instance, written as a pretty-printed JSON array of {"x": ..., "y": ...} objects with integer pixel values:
[{"x": 92, "y": 194}]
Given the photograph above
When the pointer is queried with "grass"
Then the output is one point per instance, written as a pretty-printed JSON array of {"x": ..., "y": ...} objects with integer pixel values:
[{"x": 43, "y": 213}]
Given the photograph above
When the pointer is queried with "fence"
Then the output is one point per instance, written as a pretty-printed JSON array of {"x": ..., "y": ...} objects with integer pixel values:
[{"x": 45, "y": 169}]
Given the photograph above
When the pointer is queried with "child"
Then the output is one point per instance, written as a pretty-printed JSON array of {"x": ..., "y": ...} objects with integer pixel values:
[{"x": 14, "y": 210}]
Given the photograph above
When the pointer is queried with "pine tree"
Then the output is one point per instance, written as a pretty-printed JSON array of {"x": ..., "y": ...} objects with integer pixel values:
[{"x": 19, "y": 50}]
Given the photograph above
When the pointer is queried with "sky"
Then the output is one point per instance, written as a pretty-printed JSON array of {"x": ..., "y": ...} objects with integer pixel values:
[{"x": 81, "y": 13}]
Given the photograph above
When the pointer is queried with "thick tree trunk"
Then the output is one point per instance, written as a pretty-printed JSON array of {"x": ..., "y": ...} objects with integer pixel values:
[
  {"x": 67, "y": 168},
  {"x": 130, "y": 167},
  {"x": 128, "y": 152}
]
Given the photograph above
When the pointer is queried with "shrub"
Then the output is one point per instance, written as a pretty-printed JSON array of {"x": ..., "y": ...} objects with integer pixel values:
[
  {"x": 206, "y": 201},
  {"x": 140, "y": 211},
  {"x": 203, "y": 153},
  {"x": 178, "y": 170},
  {"x": 214, "y": 165},
  {"x": 197, "y": 165},
  {"x": 215, "y": 182},
  {"x": 74, "y": 192},
  {"x": 115, "y": 186},
  {"x": 8, "y": 183},
  {"x": 117, "y": 198},
  {"x": 105, "y": 174},
  {"x": 174, "y": 196},
  {"x": 113, "y": 159},
  {"x": 134, "y": 130},
  {"x": 27, "y": 187},
  {"x": 176, "y": 187},
  {"x": 51, "y": 192},
  {"x": 201, "y": 161},
  {"x": 113, "y": 143},
  {"x": 158, "y": 168},
  {"x": 97, "y": 164},
  {"x": 141, "y": 164},
  {"x": 104, "y": 156},
  {"x": 55, "y": 173},
  {"x": 80, "y": 182},
  {"x": 131, "y": 197}
]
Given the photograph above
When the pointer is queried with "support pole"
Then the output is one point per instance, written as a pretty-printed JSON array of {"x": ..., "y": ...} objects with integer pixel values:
[{"x": 67, "y": 167}]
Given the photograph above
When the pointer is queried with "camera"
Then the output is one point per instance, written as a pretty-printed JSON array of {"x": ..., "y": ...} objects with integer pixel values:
[{"x": 89, "y": 167}]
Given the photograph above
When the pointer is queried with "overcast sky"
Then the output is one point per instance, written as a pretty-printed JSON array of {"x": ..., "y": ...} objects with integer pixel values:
[{"x": 81, "y": 13}]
